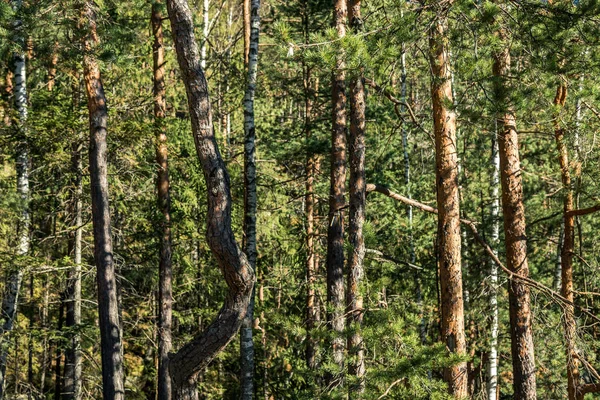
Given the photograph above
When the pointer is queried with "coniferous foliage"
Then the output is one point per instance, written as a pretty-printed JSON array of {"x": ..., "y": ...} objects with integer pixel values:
[{"x": 413, "y": 184}]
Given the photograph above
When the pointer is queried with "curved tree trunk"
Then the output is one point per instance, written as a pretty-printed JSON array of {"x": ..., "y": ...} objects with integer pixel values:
[
  {"x": 515, "y": 234},
  {"x": 165, "y": 295},
  {"x": 108, "y": 307},
  {"x": 191, "y": 359},
  {"x": 14, "y": 277},
  {"x": 449, "y": 235},
  {"x": 337, "y": 191},
  {"x": 246, "y": 340}
]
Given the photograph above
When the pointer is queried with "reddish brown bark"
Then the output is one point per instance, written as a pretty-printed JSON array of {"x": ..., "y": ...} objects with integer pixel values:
[
  {"x": 515, "y": 234},
  {"x": 165, "y": 294},
  {"x": 191, "y": 359},
  {"x": 108, "y": 308},
  {"x": 449, "y": 236},
  {"x": 356, "y": 253},
  {"x": 337, "y": 195}
]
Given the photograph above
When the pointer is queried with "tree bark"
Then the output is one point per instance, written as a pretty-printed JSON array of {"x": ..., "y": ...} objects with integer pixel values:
[
  {"x": 515, "y": 233},
  {"x": 357, "y": 186},
  {"x": 313, "y": 315},
  {"x": 108, "y": 307},
  {"x": 574, "y": 385},
  {"x": 14, "y": 276},
  {"x": 165, "y": 273},
  {"x": 250, "y": 201},
  {"x": 72, "y": 385},
  {"x": 335, "y": 232},
  {"x": 191, "y": 359},
  {"x": 492, "y": 378},
  {"x": 449, "y": 236}
]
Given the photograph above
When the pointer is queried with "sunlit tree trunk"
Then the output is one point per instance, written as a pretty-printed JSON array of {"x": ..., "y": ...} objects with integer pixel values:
[
  {"x": 492, "y": 378},
  {"x": 250, "y": 200},
  {"x": 14, "y": 275},
  {"x": 357, "y": 189},
  {"x": 337, "y": 199},
  {"x": 165, "y": 296},
  {"x": 108, "y": 307},
  {"x": 514, "y": 231},
  {"x": 192, "y": 358},
  {"x": 449, "y": 235}
]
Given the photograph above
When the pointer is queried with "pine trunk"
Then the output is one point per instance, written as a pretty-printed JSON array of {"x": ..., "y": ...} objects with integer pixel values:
[
  {"x": 449, "y": 235},
  {"x": 108, "y": 307},
  {"x": 357, "y": 189},
  {"x": 337, "y": 191},
  {"x": 165, "y": 295},
  {"x": 250, "y": 201},
  {"x": 191, "y": 359},
  {"x": 515, "y": 235}
]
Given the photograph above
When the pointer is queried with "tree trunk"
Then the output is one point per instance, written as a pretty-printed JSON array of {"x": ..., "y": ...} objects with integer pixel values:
[
  {"x": 492, "y": 378},
  {"x": 515, "y": 234},
  {"x": 449, "y": 236},
  {"x": 356, "y": 253},
  {"x": 247, "y": 31},
  {"x": 59, "y": 353},
  {"x": 72, "y": 384},
  {"x": 250, "y": 200},
  {"x": 108, "y": 307},
  {"x": 165, "y": 295},
  {"x": 14, "y": 276},
  {"x": 567, "y": 251},
  {"x": 313, "y": 315},
  {"x": 205, "y": 26},
  {"x": 337, "y": 191},
  {"x": 192, "y": 358}
]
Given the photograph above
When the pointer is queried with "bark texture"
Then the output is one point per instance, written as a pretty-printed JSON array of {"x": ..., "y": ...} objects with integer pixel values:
[
  {"x": 165, "y": 273},
  {"x": 337, "y": 195},
  {"x": 250, "y": 201},
  {"x": 449, "y": 235},
  {"x": 14, "y": 276},
  {"x": 191, "y": 359},
  {"x": 72, "y": 385},
  {"x": 356, "y": 253},
  {"x": 515, "y": 234},
  {"x": 313, "y": 315},
  {"x": 108, "y": 307}
]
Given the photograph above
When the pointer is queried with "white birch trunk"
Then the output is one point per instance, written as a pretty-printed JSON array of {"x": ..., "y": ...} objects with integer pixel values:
[
  {"x": 492, "y": 378},
  {"x": 250, "y": 200},
  {"x": 15, "y": 275}
]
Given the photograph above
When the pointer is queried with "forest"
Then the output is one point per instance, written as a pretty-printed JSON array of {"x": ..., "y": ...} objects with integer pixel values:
[{"x": 304, "y": 199}]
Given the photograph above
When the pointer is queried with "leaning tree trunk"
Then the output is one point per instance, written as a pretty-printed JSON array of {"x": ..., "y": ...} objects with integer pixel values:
[
  {"x": 165, "y": 295},
  {"x": 108, "y": 307},
  {"x": 191, "y": 359},
  {"x": 356, "y": 253},
  {"x": 335, "y": 232},
  {"x": 515, "y": 233},
  {"x": 246, "y": 341},
  {"x": 449, "y": 235},
  {"x": 14, "y": 277}
]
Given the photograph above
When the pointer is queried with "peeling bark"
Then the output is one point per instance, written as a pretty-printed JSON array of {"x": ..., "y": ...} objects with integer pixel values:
[
  {"x": 449, "y": 236},
  {"x": 513, "y": 210}
]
